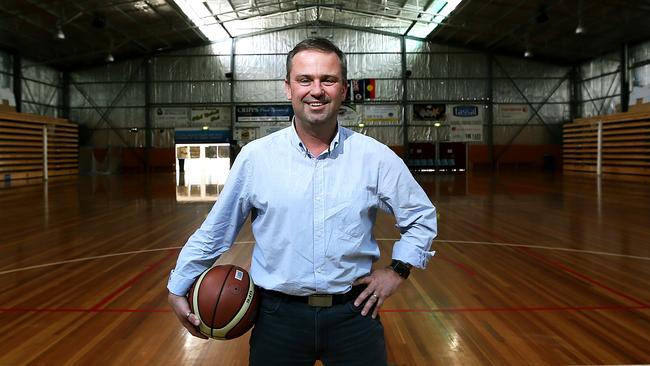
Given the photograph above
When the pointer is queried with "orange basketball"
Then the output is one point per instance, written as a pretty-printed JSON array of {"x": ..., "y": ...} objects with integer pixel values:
[{"x": 225, "y": 301}]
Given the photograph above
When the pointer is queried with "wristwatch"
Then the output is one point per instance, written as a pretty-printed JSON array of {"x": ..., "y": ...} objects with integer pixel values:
[{"x": 402, "y": 269}]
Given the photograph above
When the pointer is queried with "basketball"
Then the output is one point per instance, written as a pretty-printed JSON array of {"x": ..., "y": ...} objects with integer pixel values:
[{"x": 225, "y": 301}]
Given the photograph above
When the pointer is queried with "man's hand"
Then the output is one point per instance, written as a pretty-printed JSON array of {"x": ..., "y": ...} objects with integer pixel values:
[
  {"x": 382, "y": 283},
  {"x": 182, "y": 310}
]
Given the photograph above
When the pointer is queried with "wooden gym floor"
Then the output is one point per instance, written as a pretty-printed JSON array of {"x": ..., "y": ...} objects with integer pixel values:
[{"x": 530, "y": 269}]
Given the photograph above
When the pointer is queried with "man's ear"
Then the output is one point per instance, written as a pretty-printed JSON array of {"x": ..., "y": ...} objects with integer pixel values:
[{"x": 287, "y": 89}]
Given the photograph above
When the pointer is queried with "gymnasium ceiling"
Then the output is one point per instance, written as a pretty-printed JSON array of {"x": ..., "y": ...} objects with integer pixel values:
[{"x": 134, "y": 28}]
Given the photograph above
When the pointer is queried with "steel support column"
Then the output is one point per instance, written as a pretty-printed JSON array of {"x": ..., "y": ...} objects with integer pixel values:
[
  {"x": 490, "y": 112},
  {"x": 402, "y": 43},
  {"x": 148, "y": 130},
  {"x": 625, "y": 82},
  {"x": 574, "y": 94},
  {"x": 18, "y": 81},
  {"x": 64, "y": 106},
  {"x": 233, "y": 112}
]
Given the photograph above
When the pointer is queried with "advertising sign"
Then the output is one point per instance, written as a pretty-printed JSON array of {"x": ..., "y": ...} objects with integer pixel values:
[
  {"x": 465, "y": 133},
  {"x": 171, "y": 117},
  {"x": 429, "y": 112},
  {"x": 465, "y": 113},
  {"x": 348, "y": 115},
  {"x": 264, "y": 113},
  {"x": 197, "y": 136},
  {"x": 388, "y": 114},
  {"x": 214, "y": 116},
  {"x": 513, "y": 112}
]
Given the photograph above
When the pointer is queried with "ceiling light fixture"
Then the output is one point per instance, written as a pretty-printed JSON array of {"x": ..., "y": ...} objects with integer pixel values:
[
  {"x": 528, "y": 53},
  {"x": 59, "y": 33},
  {"x": 109, "y": 57},
  {"x": 580, "y": 29}
]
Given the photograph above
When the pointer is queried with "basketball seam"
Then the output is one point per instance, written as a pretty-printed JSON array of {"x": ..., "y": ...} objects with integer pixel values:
[
  {"x": 244, "y": 307},
  {"x": 214, "y": 310}
]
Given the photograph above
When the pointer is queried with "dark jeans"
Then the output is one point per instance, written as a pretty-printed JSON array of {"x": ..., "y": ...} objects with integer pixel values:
[{"x": 292, "y": 333}]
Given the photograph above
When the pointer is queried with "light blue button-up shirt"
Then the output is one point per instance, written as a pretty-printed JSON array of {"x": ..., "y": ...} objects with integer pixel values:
[{"x": 312, "y": 217}]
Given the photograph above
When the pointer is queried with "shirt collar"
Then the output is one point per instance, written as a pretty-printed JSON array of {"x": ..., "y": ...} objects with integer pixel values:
[{"x": 295, "y": 139}]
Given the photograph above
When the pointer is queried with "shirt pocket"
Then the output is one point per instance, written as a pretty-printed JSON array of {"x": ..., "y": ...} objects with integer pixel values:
[{"x": 351, "y": 213}]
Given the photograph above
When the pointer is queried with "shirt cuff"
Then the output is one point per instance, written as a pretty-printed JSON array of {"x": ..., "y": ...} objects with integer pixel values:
[
  {"x": 416, "y": 257},
  {"x": 179, "y": 285}
]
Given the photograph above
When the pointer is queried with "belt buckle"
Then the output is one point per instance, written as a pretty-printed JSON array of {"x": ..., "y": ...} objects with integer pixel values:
[{"x": 320, "y": 301}]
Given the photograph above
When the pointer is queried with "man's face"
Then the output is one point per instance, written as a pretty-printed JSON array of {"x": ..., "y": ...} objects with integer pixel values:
[{"x": 315, "y": 87}]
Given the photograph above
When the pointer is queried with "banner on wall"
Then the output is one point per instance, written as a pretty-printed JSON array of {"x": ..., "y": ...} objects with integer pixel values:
[
  {"x": 213, "y": 116},
  {"x": 171, "y": 116},
  {"x": 370, "y": 89},
  {"x": 264, "y": 113},
  {"x": 388, "y": 114},
  {"x": 361, "y": 89},
  {"x": 429, "y": 112},
  {"x": 513, "y": 112},
  {"x": 356, "y": 91},
  {"x": 465, "y": 113},
  {"x": 466, "y": 133}
]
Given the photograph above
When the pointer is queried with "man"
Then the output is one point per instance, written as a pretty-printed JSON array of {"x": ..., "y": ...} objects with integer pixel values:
[{"x": 313, "y": 190}]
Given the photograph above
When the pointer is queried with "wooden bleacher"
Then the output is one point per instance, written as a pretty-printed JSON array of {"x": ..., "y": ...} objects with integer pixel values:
[
  {"x": 23, "y": 138},
  {"x": 625, "y": 145}
]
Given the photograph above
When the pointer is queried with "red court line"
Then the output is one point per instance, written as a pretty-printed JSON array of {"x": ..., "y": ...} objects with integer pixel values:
[
  {"x": 463, "y": 267},
  {"x": 81, "y": 310},
  {"x": 533, "y": 309},
  {"x": 132, "y": 281},
  {"x": 543, "y": 259}
]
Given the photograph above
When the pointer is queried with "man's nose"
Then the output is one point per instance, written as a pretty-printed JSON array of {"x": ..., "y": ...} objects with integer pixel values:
[{"x": 316, "y": 88}]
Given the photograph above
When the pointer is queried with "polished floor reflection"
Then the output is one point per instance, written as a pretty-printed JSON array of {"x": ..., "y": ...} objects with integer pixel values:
[
  {"x": 531, "y": 269},
  {"x": 201, "y": 171}
]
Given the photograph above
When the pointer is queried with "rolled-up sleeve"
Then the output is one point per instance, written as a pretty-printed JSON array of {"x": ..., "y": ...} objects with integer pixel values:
[
  {"x": 219, "y": 230},
  {"x": 413, "y": 211}
]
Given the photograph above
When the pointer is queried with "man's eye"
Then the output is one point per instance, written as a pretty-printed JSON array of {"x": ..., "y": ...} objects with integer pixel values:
[
  {"x": 329, "y": 82},
  {"x": 304, "y": 81}
]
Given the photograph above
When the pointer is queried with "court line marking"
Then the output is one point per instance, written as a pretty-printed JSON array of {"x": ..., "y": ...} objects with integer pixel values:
[
  {"x": 128, "y": 284},
  {"x": 83, "y": 259},
  {"x": 581, "y": 276},
  {"x": 541, "y": 247},
  {"x": 378, "y": 239}
]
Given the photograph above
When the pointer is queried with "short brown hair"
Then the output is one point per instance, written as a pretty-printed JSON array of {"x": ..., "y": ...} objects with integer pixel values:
[{"x": 320, "y": 44}]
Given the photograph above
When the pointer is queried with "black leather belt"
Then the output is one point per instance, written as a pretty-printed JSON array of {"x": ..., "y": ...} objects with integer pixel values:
[{"x": 320, "y": 300}]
